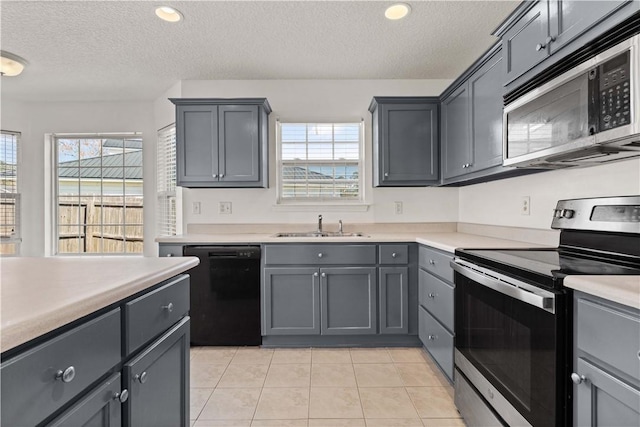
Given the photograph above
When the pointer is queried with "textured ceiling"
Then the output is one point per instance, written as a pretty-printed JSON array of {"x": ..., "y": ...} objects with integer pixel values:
[{"x": 119, "y": 50}]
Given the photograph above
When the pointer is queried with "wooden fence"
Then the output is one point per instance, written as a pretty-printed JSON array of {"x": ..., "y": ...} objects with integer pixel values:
[{"x": 92, "y": 225}]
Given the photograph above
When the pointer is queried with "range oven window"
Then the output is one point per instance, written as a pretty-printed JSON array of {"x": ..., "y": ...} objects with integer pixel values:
[{"x": 516, "y": 346}]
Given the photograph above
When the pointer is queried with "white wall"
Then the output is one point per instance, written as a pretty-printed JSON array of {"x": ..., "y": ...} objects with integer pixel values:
[
  {"x": 317, "y": 100},
  {"x": 34, "y": 120},
  {"x": 498, "y": 202}
]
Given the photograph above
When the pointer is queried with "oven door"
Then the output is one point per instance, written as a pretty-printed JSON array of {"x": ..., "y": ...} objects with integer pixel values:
[{"x": 513, "y": 336}]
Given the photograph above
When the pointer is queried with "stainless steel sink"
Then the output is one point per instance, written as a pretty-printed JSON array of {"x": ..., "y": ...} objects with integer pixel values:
[{"x": 318, "y": 234}]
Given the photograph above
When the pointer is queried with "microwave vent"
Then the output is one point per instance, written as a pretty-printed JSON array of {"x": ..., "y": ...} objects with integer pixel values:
[{"x": 590, "y": 154}]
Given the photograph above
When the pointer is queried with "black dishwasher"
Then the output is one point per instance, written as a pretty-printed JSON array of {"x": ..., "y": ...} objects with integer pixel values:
[{"x": 225, "y": 295}]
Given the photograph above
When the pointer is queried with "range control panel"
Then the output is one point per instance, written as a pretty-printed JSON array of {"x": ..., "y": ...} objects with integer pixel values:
[{"x": 615, "y": 92}]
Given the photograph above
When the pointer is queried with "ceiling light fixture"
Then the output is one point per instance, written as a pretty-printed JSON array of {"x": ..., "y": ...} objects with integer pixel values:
[
  {"x": 397, "y": 11},
  {"x": 11, "y": 65},
  {"x": 168, "y": 14}
]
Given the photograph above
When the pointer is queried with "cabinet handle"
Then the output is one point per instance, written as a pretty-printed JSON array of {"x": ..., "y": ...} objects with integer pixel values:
[
  {"x": 122, "y": 396},
  {"x": 540, "y": 46},
  {"x": 549, "y": 40},
  {"x": 578, "y": 379},
  {"x": 432, "y": 295},
  {"x": 169, "y": 255},
  {"x": 323, "y": 274},
  {"x": 67, "y": 375},
  {"x": 168, "y": 307},
  {"x": 221, "y": 175},
  {"x": 141, "y": 378},
  {"x": 319, "y": 254},
  {"x": 315, "y": 274},
  {"x": 433, "y": 337},
  {"x": 215, "y": 175},
  {"x": 432, "y": 262},
  {"x": 386, "y": 174},
  {"x": 394, "y": 255}
]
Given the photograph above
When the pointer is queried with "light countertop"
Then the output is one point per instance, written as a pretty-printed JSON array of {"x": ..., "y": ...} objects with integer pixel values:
[
  {"x": 621, "y": 289},
  {"x": 41, "y": 294}
]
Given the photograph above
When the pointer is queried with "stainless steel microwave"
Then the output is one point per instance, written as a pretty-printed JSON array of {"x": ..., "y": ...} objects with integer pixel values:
[{"x": 588, "y": 115}]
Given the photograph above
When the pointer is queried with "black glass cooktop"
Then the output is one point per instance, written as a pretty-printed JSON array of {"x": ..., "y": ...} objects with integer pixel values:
[{"x": 547, "y": 267}]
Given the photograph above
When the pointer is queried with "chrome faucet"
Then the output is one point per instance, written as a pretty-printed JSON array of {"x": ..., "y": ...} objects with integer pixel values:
[
  {"x": 340, "y": 226},
  {"x": 319, "y": 223}
]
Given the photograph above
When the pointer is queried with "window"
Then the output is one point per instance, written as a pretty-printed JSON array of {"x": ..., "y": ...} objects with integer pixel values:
[
  {"x": 320, "y": 162},
  {"x": 9, "y": 196},
  {"x": 166, "y": 179},
  {"x": 99, "y": 194}
]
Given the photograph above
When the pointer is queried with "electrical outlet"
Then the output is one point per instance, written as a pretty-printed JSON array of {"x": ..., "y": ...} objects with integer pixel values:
[
  {"x": 196, "y": 208},
  {"x": 398, "y": 208},
  {"x": 525, "y": 205},
  {"x": 224, "y": 208}
]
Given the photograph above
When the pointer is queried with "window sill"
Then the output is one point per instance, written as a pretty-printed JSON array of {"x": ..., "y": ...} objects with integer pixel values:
[{"x": 325, "y": 207}]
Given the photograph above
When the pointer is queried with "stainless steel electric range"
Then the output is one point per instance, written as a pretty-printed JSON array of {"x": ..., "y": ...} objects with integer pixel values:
[{"x": 513, "y": 316}]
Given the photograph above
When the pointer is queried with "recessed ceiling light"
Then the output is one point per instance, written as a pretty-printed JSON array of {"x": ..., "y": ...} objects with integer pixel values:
[
  {"x": 11, "y": 65},
  {"x": 168, "y": 14},
  {"x": 397, "y": 11}
]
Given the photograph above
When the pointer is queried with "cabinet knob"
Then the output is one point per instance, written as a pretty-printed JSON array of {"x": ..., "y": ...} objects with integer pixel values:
[
  {"x": 550, "y": 39},
  {"x": 67, "y": 375},
  {"x": 122, "y": 396},
  {"x": 315, "y": 274},
  {"x": 433, "y": 337},
  {"x": 319, "y": 254},
  {"x": 215, "y": 175},
  {"x": 432, "y": 262},
  {"x": 141, "y": 378},
  {"x": 578, "y": 379},
  {"x": 394, "y": 255},
  {"x": 540, "y": 46},
  {"x": 168, "y": 307},
  {"x": 323, "y": 275},
  {"x": 221, "y": 175},
  {"x": 432, "y": 295},
  {"x": 386, "y": 174},
  {"x": 169, "y": 255}
]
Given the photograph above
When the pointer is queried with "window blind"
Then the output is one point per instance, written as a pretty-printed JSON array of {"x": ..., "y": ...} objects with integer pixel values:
[
  {"x": 9, "y": 196},
  {"x": 166, "y": 182}
]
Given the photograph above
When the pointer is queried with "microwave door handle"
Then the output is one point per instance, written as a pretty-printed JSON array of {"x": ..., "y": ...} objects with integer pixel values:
[{"x": 506, "y": 285}]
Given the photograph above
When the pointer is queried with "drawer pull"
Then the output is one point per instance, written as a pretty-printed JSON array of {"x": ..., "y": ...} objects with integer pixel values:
[
  {"x": 169, "y": 255},
  {"x": 315, "y": 274},
  {"x": 67, "y": 375},
  {"x": 578, "y": 379},
  {"x": 432, "y": 295},
  {"x": 320, "y": 255},
  {"x": 323, "y": 274},
  {"x": 432, "y": 262},
  {"x": 433, "y": 337},
  {"x": 168, "y": 307},
  {"x": 141, "y": 378},
  {"x": 122, "y": 396},
  {"x": 394, "y": 255}
]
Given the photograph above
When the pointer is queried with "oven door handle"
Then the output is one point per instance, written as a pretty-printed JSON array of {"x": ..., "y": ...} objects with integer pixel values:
[{"x": 506, "y": 285}]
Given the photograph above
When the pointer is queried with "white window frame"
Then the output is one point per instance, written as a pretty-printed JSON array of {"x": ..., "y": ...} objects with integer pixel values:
[
  {"x": 166, "y": 222},
  {"x": 54, "y": 146},
  {"x": 337, "y": 202},
  {"x": 16, "y": 237}
]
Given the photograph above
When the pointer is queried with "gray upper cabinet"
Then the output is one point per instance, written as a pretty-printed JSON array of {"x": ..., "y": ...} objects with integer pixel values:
[
  {"x": 471, "y": 113},
  {"x": 405, "y": 141},
  {"x": 222, "y": 142}
]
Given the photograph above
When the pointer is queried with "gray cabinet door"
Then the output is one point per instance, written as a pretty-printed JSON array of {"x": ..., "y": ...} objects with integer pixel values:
[
  {"x": 394, "y": 300},
  {"x": 158, "y": 381},
  {"x": 568, "y": 19},
  {"x": 197, "y": 143},
  {"x": 239, "y": 145},
  {"x": 604, "y": 400},
  {"x": 456, "y": 145},
  {"x": 348, "y": 300},
  {"x": 485, "y": 95},
  {"x": 291, "y": 301},
  {"x": 100, "y": 408},
  {"x": 408, "y": 144},
  {"x": 520, "y": 43}
]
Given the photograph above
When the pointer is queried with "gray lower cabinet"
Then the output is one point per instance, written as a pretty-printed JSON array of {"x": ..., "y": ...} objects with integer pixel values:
[
  {"x": 291, "y": 298},
  {"x": 606, "y": 370},
  {"x": 394, "y": 300},
  {"x": 222, "y": 142},
  {"x": 405, "y": 141},
  {"x": 436, "y": 306},
  {"x": 157, "y": 380},
  {"x": 348, "y": 298}
]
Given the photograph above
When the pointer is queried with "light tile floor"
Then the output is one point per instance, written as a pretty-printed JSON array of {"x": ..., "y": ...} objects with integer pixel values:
[{"x": 384, "y": 387}]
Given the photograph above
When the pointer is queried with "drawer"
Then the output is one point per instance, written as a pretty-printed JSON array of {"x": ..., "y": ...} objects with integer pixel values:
[
  {"x": 436, "y": 262},
  {"x": 610, "y": 335},
  {"x": 170, "y": 250},
  {"x": 319, "y": 254},
  {"x": 437, "y": 340},
  {"x": 30, "y": 389},
  {"x": 437, "y": 297},
  {"x": 154, "y": 312},
  {"x": 394, "y": 254}
]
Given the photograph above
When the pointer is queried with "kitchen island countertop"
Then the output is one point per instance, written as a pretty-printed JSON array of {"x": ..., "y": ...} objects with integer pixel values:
[{"x": 41, "y": 294}]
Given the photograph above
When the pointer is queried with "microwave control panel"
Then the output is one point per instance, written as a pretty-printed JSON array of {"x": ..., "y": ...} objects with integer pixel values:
[{"x": 615, "y": 92}]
